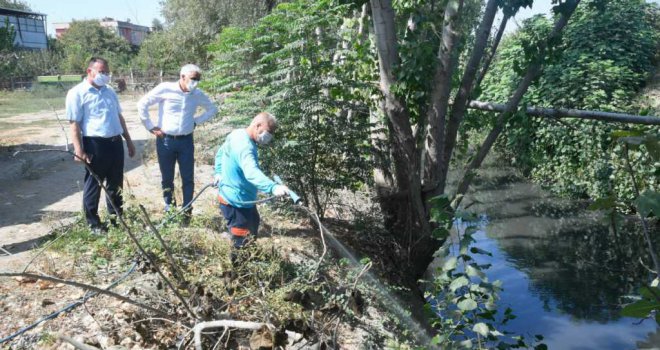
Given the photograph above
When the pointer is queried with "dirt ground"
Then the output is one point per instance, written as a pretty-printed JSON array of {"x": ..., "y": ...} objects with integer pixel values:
[{"x": 41, "y": 191}]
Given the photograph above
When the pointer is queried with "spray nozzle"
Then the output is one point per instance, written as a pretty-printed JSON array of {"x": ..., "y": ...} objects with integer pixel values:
[{"x": 294, "y": 197}]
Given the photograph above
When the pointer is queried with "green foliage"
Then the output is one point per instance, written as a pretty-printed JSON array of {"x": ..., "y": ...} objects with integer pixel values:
[
  {"x": 7, "y": 36},
  {"x": 598, "y": 65},
  {"x": 296, "y": 62},
  {"x": 462, "y": 301},
  {"x": 192, "y": 25},
  {"x": 160, "y": 51},
  {"x": 85, "y": 39},
  {"x": 20, "y": 5},
  {"x": 647, "y": 306}
]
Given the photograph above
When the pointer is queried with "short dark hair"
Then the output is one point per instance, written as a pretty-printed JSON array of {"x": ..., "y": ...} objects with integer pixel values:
[{"x": 97, "y": 59}]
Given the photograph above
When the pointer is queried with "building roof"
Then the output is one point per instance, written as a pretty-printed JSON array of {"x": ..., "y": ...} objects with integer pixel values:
[{"x": 6, "y": 11}]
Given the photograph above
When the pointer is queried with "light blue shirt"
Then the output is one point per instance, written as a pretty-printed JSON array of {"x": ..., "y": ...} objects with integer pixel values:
[
  {"x": 176, "y": 108},
  {"x": 237, "y": 163},
  {"x": 95, "y": 110}
]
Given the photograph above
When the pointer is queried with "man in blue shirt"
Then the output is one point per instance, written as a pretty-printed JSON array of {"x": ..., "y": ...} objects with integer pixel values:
[
  {"x": 177, "y": 104},
  {"x": 238, "y": 177},
  {"x": 97, "y": 127}
]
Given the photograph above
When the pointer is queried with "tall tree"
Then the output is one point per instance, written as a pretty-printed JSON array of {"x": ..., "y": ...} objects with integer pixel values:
[
  {"x": 194, "y": 24},
  {"x": 444, "y": 118},
  {"x": 85, "y": 39}
]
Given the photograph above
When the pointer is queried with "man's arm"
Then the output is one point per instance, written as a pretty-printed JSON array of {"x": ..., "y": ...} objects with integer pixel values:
[
  {"x": 76, "y": 138},
  {"x": 209, "y": 109},
  {"x": 74, "y": 113},
  {"x": 253, "y": 174},
  {"x": 127, "y": 136},
  {"x": 151, "y": 98}
]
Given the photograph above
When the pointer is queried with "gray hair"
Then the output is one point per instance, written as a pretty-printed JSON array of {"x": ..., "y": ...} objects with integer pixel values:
[
  {"x": 190, "y": 68},
  {"x": 264, "y": 117}
]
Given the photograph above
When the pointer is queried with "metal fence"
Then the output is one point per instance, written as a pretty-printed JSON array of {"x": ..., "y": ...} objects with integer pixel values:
[{"x": 16, "y": 83}]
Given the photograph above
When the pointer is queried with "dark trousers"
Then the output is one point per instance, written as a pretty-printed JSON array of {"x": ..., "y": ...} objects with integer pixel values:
[
  {"x": 241, "y": 222},
  {"x": 170, "y": 150},
  {"x": 107, "y": 162}
]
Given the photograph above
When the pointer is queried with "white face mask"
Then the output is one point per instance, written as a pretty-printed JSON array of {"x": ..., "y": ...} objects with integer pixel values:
[
  {"x": 101, "y": 79},
  {"x": 264, "y": 138},
  {"x": 192, "y": 85}
]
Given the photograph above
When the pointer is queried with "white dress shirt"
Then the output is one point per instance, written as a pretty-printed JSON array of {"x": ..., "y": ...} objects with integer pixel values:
[{"x": 176, "y": 109}]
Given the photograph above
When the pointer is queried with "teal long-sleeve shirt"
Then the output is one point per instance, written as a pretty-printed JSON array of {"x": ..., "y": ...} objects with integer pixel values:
[{"x": 237, "y": 162}]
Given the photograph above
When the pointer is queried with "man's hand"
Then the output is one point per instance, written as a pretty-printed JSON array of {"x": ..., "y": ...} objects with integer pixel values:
[
  {"x": 131, "y": 148},
  {"x": 81, "y": 156},
  {"x": 156, "y": 131},
  {"x": 280, "y": 190},
  {"x": 217, "y": 179}
]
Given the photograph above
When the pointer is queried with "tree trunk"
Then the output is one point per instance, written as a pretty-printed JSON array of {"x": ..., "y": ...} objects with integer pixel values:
[
  {"x": 404, "y": 149},
  {"x": 447, "y": 59},
  {"x": 493, "y": 50},
  {"x": 532, "y": 72},
  {"x": 459, "y": 105}
]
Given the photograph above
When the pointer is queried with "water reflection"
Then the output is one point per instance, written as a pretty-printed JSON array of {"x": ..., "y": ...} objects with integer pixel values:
[{"x": 564, "y": 270}]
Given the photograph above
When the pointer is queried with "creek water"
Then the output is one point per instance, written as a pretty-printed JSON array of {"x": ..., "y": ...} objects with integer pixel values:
[{"x": 565, "y": 273}]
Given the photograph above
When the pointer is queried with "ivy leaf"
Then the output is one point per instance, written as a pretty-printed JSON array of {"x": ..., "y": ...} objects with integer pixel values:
[
  {"x": 650, "y": 293},
  {"x": 461, "y": 281},
  {"x": 450, "y": 264},
  {"x": 648, "y": 202},
  {"x": 481, "y": 328},
  {"x": 467, "y": 304},
  {"x": 440, "y": 233},
  {"x": 473, "y": 271},
  {"x": 640, "y": 309}
]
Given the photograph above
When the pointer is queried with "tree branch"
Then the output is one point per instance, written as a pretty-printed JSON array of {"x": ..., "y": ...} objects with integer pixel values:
[
  {"x": 464, "y": 93},
  {"x": 84, "y": 286},
  {"x": 493, "y": 50},
  {"x": 532, "y": 73},
  {"x": 557, "y": 113}
]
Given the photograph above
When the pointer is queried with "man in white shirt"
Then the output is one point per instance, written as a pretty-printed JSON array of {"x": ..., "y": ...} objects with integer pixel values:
[{"x": 177, "y": 104}]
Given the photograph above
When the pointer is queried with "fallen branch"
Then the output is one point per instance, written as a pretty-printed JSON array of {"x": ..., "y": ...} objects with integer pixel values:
[
  {"x": 76, "y": 344},
  {"x": 570, "y": 113},
  {"x": 175, "y": 268},
  {"x": 120, "y": 217},
  {"x": 197, "y": 330},
  {"x": 364, "y": 270},
  {"x": 325, "y": 248},
  {"x": 84, "y": 286}
]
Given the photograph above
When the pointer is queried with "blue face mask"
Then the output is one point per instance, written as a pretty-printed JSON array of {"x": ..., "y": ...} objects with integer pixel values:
[
  {"x": 264, "y": 138},
  {"x": 101, "y": 79}
]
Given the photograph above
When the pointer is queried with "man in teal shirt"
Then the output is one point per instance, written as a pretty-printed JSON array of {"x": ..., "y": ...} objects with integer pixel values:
[{"x": 238, "y": 177}]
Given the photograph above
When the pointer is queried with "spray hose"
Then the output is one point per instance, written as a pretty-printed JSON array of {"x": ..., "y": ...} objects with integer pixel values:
[{"x": 294, "y": 197}]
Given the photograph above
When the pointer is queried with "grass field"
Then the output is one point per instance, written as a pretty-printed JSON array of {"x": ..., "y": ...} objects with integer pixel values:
[{"x": 18, "y": 102}]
